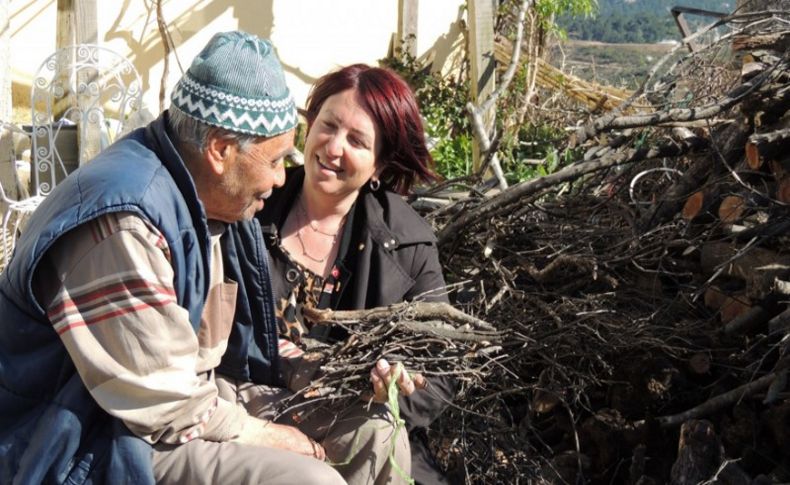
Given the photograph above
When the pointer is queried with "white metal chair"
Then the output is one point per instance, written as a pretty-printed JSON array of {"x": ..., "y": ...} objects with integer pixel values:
[
  {"x": 87, "y": 85},
  {"x": 20, "y": 208},
  {"x": 83, "y": 86},
  {"x": 10, "y": 206}
]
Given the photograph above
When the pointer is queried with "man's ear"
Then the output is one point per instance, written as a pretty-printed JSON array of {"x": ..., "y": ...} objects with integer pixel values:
[{"x": 218, "y": 152}]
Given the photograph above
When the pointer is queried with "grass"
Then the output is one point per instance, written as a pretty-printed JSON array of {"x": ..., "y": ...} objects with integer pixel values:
[{"x": 621, "y": 65}]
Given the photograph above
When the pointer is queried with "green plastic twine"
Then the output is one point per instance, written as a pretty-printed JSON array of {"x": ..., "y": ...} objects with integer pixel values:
[
  {"x": 399, "y": 424},
  {"x": 392, "y": 398}
]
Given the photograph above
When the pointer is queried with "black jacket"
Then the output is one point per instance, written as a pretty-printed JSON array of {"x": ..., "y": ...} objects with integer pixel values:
[{"x": 388, "y": 254}]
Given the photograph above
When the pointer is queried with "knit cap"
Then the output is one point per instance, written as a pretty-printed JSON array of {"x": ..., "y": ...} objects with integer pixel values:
[{"x": 237, "y": 83}]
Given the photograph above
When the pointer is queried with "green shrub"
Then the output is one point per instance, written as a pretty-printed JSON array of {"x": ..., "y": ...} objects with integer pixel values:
[{"x": 442, "y": 104}]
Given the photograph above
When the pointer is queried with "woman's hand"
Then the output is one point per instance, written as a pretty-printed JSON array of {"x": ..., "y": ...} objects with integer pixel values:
[{"x": 382, "y": 374}]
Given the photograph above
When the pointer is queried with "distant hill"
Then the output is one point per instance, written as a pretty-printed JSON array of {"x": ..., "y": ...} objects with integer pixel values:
[
  {"x": 637, "y": 21},
  {"x": 660, "y": 7}
]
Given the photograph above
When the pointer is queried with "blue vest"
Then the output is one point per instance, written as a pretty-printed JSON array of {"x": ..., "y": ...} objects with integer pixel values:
[{"x": 51, "y": 429}]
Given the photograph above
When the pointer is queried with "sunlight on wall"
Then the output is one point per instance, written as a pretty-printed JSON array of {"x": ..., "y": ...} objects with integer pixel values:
[{"x": 312, "y": 37}]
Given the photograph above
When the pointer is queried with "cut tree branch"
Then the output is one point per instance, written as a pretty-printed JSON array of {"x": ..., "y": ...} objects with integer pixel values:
[
  {"x": 716, "y": 403},
  {"x": 411, "y": 311},
  {"x": 504, "y": 200},
  {"x": 679, "y": 114}
]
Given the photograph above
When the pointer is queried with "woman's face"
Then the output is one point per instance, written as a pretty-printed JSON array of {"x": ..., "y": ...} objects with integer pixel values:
[{"x": 341, "y": 147}]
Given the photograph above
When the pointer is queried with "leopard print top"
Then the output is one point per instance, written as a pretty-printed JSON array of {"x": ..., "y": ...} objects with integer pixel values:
[{"x": 311, "y": 291}]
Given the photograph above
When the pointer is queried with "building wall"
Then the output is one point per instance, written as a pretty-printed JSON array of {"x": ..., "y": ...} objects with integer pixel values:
[{"x": 311, "y": 36}]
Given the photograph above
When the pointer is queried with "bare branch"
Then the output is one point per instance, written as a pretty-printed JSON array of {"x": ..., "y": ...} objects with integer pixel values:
[{"x": 476, "y": 112}]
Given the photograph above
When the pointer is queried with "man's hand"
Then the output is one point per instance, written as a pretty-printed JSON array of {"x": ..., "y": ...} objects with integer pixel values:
[
  {"x": 258, "y": 432},
  {"x": 382, "y": 374}
]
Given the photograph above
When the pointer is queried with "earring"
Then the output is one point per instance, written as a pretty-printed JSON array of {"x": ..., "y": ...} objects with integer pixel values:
[{"x": 375, "y": 184}]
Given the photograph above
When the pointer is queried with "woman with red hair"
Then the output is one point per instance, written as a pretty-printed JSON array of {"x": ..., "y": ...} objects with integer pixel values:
[{"x": 341, "y": 236}]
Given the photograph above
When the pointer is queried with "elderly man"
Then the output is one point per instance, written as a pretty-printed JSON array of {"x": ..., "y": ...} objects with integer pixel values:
[{"x": 117, "y": 305}]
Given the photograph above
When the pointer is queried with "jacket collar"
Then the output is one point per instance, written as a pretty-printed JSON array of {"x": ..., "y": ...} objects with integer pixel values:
[
  {"x": 158, "y": 138},
  {"x": 389, "y": 219},
  {"x": 386, "y": 213}
]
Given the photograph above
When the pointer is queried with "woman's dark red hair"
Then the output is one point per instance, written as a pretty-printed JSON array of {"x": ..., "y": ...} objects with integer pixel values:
[{"x": 390, "y": 102}]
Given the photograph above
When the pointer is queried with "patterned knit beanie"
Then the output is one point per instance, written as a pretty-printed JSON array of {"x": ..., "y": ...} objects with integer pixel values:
[{"x": 237, "y": 83}]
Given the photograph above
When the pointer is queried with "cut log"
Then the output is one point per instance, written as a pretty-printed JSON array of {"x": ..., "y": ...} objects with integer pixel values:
[
  {"x": 780, "y": 168},
  {"x": 741, "y": 263},
  {"x": 600, "y": 434},
  {"x": 732, "y": 209},
  {"x": 762, "y": 146},
  {"x": 733, "y": 138},
  {"x": 701, "y": 206},
  {"x": 757, "y": 267},
  {"x": 733, "y": 307},
  {"x": 701, "y": 458},
  {"x": 699, "y": 454},
  {"x": 699, "y": 363},
  {"x": 693, "y": 206},
  {"x": 753, "y": 156},
  {"x": 746, "y": 208},
  {"x": 714, "y": 297},
  {"x": 747, "y": 322},
  {"x": 783, "y": 190}
]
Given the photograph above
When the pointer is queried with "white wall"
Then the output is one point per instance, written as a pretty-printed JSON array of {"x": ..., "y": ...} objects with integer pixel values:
[
  {"x": 311, "y": 36},
  {"x": 316, "y": 36}
]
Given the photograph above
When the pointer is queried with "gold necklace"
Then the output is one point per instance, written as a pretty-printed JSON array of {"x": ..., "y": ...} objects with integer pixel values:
[
  {"x": 300, "y": 223},
  {"x": 314, "y": 225}
]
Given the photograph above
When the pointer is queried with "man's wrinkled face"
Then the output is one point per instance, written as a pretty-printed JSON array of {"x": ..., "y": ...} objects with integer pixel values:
[{"x": 248, "y": 177}]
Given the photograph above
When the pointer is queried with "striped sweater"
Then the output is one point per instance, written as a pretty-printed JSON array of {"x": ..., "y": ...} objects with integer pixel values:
[{"x": 108, "y": 289}]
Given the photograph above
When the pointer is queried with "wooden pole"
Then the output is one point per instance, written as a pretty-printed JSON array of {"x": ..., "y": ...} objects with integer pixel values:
[
  {"x": 65, "y": 34},
  {"x": 7, "y": 163},
  {"x": 408, "y": 13},
  {"x": 482, "y": 64},
  {"x": 77, "y": 24}
]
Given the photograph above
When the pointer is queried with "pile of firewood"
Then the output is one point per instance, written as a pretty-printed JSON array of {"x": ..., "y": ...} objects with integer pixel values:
[
  {"x": 638, "y": 297},
  {"x": 643, "y": 290}
]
